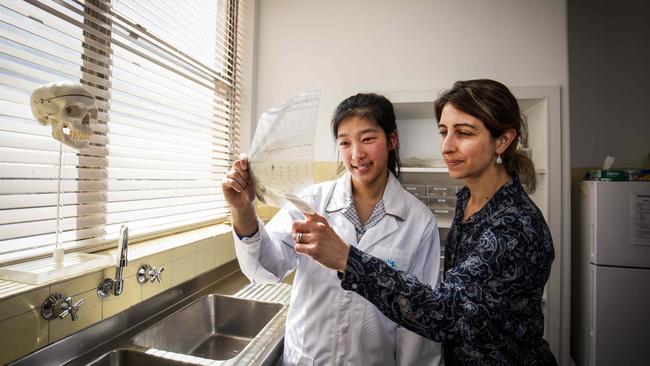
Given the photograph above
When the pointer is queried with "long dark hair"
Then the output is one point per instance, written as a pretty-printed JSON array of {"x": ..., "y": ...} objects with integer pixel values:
[
  {"x": 493, "y": 104},
  {"x": 373, "y": 107}
]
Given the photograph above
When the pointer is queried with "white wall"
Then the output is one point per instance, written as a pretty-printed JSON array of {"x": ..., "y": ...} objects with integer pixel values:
[{"x": 345, "y": 47}]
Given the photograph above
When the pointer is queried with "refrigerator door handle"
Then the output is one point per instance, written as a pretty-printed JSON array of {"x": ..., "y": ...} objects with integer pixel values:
[
  {"x": 592, "y": 241},
  {"x": 592, "y": 318}
]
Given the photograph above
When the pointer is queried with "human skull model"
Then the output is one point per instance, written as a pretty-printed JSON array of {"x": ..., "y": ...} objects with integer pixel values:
[{"x": 68, "y": 108}]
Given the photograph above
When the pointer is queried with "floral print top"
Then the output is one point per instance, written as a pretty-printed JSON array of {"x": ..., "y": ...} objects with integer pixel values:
[{"x": 487, "y": 310}]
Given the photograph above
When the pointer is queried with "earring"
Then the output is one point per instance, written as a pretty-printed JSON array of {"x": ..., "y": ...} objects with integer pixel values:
[{"x": 499, "y": 160}]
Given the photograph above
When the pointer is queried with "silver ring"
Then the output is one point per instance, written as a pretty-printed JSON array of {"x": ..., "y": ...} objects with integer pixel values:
[{"x": 299, "y": 238}]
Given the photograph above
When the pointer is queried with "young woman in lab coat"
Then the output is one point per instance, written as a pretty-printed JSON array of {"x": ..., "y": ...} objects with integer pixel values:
[
  {"x": 367, "y": 207},
  {"x": 498, "y": 253}
]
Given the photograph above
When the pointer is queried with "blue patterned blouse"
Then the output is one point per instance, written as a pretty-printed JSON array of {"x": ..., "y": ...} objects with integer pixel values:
[{"x": 487, "y": 310}]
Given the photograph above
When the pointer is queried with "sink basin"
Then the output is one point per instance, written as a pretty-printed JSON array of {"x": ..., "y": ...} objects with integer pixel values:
[
  {"x": 215, "y": 327},
  {"x": 123, "y": 357}
]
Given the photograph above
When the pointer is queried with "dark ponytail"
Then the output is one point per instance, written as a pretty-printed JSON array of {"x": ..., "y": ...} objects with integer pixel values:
[{"x": 518, "y": 164}]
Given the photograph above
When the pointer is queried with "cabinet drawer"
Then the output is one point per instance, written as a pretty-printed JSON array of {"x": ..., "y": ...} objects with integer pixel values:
[
  {"x": 441, "y": 190},
  {"x": 443, "y": 202},
  {"x": 445, "y": 214},
  {"x": 418, "y": 190}
]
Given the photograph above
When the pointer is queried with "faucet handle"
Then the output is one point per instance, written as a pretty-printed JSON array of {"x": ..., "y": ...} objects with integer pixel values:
[
  {"x": 147, "y": 273},
  {"x": 58, "y": 306},
  {"x": 68, "y": 307},
  {"x": 144, "y": 273},
  {"x": 156, "y": 274}
]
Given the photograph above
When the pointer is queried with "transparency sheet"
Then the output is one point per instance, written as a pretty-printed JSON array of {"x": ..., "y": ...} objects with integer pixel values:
[{"x": 281, "y": 158}]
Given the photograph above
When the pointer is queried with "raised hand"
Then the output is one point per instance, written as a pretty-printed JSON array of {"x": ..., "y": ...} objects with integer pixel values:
[
  {"x": 239, "y": 191},
  {"x": 237, "y": 185}
]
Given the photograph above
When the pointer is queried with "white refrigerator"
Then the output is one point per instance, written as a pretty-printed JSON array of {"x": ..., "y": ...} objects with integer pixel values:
[{"x": 610, "y": 287}]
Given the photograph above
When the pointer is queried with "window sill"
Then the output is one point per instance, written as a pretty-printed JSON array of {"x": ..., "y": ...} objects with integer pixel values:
[{"x": 136, "y": 251}]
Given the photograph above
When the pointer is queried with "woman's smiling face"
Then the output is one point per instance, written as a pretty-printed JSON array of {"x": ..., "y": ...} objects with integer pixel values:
[
  {"x": 467, "y": 146},
  {"x": 364, "y": 149}
]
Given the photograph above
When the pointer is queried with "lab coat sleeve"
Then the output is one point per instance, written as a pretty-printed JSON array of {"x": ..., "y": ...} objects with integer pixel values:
[
  {"x": 268, "y": 256},
  {"x": 411, "y": 348}
]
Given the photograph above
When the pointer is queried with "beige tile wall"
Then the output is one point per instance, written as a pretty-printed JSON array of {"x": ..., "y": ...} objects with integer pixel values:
[
  {"x": 183, "y": 266},
  {"x": 22, "y": 334},
  {"x": 23, "y": 330},
  {"x": 325, "y": 170}
]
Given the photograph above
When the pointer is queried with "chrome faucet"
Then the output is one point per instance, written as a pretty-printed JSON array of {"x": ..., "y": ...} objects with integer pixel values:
[
  {"x": 115, "y": 286},
  {"x": 122, "y": 260}
]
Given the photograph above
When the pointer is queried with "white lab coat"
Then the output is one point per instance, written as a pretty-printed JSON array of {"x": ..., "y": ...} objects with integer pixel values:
[{"x": 327, "y": 325}]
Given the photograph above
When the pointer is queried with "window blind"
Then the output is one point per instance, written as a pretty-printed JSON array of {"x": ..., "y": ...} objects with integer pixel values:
[{"x": 165, "y": 77}]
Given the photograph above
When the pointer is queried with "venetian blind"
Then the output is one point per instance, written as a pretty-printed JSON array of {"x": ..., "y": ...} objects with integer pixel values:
[{"x": 165, "y": 77}]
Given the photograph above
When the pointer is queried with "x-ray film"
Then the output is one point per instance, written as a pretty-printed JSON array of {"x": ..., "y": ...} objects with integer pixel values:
[{"x": 281, "y": 158}]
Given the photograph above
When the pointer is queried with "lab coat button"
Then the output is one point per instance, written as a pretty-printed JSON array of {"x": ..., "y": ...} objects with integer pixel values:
[{"x": 354, "y": 286}]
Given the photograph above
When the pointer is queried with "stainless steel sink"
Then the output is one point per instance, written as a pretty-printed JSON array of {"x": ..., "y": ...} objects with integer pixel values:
[
  {"x": 215, "y": 327},
  {"x": 123, "y": 357}
]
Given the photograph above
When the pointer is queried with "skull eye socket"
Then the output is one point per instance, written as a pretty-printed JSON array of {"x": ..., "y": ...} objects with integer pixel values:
[{"x": 72, "y": 110}]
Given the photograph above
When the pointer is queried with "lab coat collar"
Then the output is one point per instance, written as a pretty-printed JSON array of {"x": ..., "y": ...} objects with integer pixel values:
[{"x": 394, "y": 204}]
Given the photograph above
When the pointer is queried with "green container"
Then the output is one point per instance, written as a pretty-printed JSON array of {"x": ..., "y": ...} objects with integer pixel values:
[{"x": 608, "y": 175}]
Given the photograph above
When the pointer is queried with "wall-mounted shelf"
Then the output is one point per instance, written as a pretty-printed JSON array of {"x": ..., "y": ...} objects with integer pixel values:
[{"x": 411, "y": 169}]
